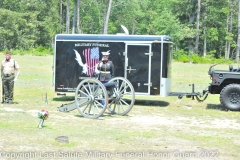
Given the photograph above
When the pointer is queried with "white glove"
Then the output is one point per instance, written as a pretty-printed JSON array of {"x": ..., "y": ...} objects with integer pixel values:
[{"x": 15, "y": 79}]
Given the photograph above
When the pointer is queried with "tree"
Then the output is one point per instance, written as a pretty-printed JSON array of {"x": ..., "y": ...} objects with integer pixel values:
[
  {"x": 74, "y": 17},
  {"x": 106, "y": 17},
  {"x": 204, "y": 36},
  {"x": 197, "y": 26},
  {"x": 19, "y": 31},
  {"x": 238, "y": 38},
  {"x": 214, "y": 33},
  {"x": 229, "y": 26},
  {"x": 78, "y": 17},
  {"x": 61, "y": 16},
  {"x": 68, "y": 17}
]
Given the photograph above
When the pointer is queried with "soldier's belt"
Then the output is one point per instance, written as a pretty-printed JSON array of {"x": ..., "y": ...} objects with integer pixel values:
[
  {"x": 105, "y": 72},
  {"x": 8, "y": 75}
]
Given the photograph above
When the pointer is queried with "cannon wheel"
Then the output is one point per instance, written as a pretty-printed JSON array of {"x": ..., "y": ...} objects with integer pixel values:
[
  {"x": 88, "y": 96},
  {"x": 123, "y": 98}
]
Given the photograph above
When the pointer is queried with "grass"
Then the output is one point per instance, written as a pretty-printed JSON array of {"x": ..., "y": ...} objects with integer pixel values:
[{"x": 158, "y": 125}]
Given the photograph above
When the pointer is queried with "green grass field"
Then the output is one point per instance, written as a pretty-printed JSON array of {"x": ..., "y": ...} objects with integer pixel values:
[{"x": 156, "y": 127}]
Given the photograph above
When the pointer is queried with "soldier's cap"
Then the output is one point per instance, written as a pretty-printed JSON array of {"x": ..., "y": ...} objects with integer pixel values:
[{"x": 105, "y": 53}]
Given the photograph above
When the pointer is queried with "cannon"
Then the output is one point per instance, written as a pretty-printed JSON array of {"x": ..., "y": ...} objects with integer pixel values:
[{"x": 93, "y": 97}]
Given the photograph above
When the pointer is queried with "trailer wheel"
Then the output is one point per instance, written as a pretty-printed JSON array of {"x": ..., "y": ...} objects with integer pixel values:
[
  {"x": 88, "y": 97},
  {"x": 123, "y": 97},
  {"x": 230, "y": 97}
]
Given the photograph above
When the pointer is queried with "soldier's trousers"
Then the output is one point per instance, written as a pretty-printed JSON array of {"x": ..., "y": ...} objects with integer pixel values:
[{"x": 8, "y": 85}]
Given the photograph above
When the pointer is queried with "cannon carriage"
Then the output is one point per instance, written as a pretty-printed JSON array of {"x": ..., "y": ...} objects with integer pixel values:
[{"x": 93, "y": 97}]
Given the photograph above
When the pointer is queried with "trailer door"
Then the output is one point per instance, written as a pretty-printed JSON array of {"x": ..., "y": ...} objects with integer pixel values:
[{"x": 138, "y": 67}]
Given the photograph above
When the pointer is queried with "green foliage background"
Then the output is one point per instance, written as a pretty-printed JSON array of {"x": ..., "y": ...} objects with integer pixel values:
[{"x": 30, "y": 26}]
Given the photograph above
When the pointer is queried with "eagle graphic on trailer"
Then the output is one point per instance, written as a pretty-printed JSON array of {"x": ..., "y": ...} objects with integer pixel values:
[
  {"x": 79, "y": 60},
  {"x": 91, "y": 56}
]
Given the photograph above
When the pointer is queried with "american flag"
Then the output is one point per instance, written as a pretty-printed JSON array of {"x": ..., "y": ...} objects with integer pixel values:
[{"x": 92, "y": 58}]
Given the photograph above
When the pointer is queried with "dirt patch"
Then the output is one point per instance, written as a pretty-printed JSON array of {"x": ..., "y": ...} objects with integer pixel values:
[
  {"x": 146, "y": 122},
  {"x": 12, "y": 109}
]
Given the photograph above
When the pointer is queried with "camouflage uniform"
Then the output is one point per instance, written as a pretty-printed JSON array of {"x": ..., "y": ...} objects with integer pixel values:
[{"x": 8, "y": 68}]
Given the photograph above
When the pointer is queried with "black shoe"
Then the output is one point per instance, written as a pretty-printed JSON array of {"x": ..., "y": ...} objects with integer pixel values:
[
  {"x": 5, "y": 102},
  {"x": 10, "y": 102}
]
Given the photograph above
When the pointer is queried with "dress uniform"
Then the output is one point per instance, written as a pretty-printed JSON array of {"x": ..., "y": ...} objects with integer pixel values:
[
  {"x": 8, "y": 68},
  {"x": 105, "y": 68}
]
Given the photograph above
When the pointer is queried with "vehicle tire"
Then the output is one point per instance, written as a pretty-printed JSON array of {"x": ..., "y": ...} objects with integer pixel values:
[{"x": 230, "y": 97}]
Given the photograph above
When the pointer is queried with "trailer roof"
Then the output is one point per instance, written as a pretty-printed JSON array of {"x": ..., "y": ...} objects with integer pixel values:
[{"x": 108, "y": 37}]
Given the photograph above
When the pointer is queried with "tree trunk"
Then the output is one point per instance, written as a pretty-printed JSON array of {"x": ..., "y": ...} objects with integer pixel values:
[
  {"x": 205, "y": 16},
  {"x": 68, "y": 17},
  {"x": 74, "y": 17},
  {"x": 198, "y": 26},
  {"x": 190, "y": 45},
  {"x": 133, "y": 28},
  {"x": 61, "y": 17},
  {"x": 191, "y": 21},
  {"x": 229, "y": 30},
  {"x": 105, "y": 28},
  {"x": 78, "y": 17},
  {"x": 238, "y": 40},
  {"x": 204, "y": 42},
  {"x": 227, "y": 42}
]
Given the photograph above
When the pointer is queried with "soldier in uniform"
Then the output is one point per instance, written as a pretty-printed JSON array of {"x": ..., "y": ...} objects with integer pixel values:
[
  {"x": 105, "y": 68},
  {"x": 8, "y": 68}
]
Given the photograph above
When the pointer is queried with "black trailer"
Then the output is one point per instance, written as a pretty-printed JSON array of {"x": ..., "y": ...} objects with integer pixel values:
[{"x": 144, "y": 60}]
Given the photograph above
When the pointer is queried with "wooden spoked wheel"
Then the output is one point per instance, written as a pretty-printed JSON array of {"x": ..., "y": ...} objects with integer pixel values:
[
  {"x": 123, "y": 97},
  {"x": 91, "y": 98}
]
